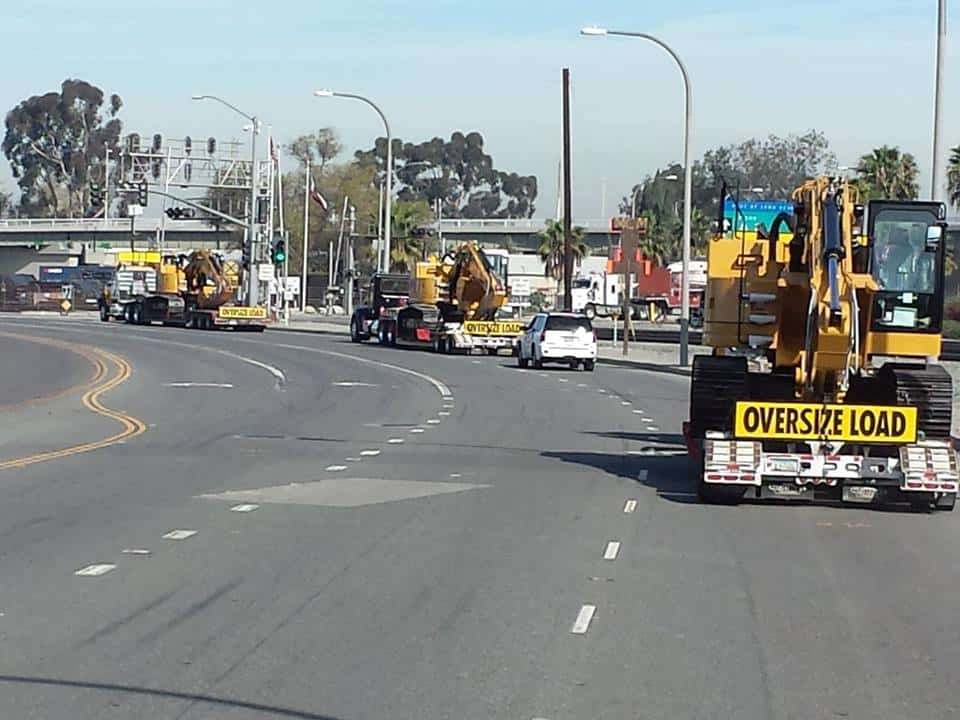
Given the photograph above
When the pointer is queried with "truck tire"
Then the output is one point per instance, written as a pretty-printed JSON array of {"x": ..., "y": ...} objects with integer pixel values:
[
  {"x": 537, "y": 362},
  {"x": 590, "y": 311},
  {"x": 491, "y": 351},
  {"x": 104, "y": 313},
  {"x": 354, "y": 331},
  {"x": 136, "y": 314},
  {"x": 588, "y": 365},
  {"x": 522, "y": 362}
]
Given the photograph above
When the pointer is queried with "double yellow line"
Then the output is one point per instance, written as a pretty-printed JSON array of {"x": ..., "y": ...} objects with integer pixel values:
[{"x": 98, "y": 384}]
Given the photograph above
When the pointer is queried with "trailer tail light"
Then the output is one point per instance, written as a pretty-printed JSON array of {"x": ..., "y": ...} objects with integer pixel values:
[
  {"x": 543, "y": 336},
  {"x": 595, "y": 335}
]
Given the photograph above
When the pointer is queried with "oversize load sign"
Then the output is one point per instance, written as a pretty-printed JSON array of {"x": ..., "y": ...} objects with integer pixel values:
[
  {"x": 482, "y": 327},
  {"x": 242, "y": 313},
  {"x": 811, "y": 421}
]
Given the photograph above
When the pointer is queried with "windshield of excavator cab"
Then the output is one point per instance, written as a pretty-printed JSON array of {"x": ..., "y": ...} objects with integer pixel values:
[
  {"x": 905, "y": 268},
  {"x": 498, "y": 263}
]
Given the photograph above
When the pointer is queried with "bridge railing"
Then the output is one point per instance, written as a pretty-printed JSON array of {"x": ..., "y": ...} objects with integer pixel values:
[
  {"x": 505, "y": 225},
  {"x": 19, "y": 225}
]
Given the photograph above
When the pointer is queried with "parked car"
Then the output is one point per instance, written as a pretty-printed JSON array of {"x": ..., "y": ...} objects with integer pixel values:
[{"x": 556, "y": 337}]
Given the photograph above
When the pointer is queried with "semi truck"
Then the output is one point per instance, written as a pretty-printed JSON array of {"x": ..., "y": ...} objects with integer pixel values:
[
  {"x": 198, "y": 291},
  {"x": 451, "y": 306}
]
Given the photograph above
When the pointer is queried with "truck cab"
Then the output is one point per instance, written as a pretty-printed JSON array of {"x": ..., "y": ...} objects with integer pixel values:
[{"x": 386, "y": 291}]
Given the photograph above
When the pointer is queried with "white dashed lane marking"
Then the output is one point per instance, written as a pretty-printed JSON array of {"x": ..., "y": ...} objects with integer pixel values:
[
  {"x": 433, "y": 422},
  {"x": 336, "y": 468},
  {"x": 179, "y": 534},
  {"x": 583, "y": 619},
  {"x": 95, "y": 570},
  {"x": 613, "y": 548},
  {"x": 245, "y": 508},
  {"x": 416, "y": 431},
  {"x": 443, "y": 413},
  {"x": 369, "y": 453},
  {"x": 395, "y": 441},
  {"x": 135, "y": 551},
  {"x": 630, "y": 506}
]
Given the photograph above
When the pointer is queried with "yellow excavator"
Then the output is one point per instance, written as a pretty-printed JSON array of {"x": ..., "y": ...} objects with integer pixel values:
[
  {"x": 452, "y": 306},
  {"x": 198, "y": 290},
  {"x": 823, "y": 382}
]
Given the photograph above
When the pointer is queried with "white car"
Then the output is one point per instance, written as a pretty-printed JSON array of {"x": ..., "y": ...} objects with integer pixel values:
[{"x": 566, "y": 338}]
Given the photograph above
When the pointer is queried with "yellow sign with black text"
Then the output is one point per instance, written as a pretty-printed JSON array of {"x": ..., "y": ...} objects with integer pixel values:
[
  {"x": 493, "y": 327},
  {"x": 240, "y": 312},
  {"x": 822, "y": 422}
]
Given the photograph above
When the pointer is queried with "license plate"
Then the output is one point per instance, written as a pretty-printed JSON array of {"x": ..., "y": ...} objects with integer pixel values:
[
  {"x": 857, "y": 493},
  {"x": 783, "y": 465}
]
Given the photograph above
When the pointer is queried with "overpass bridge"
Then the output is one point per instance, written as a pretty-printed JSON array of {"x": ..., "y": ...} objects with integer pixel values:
[
  {"x": 521, "y": 233},
  {"x": 28, "y": 243}
]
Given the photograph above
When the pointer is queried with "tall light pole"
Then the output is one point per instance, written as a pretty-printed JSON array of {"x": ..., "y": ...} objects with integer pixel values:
[
  {"x": 253, "y": 282},
  {"x": 643, "y": 188},
  {"x": 936, "y": 182},
  {"x": 385, "y": 257},
  {"x": 687, "y": 181}
]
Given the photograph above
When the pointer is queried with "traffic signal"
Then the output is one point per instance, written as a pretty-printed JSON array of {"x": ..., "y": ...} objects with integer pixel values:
[
  {"x": 142, "y": 193},
  {"x": 279, "y": 251},
  {"x": 96, "y": 195},
  {"x": 178, "y": 213}
]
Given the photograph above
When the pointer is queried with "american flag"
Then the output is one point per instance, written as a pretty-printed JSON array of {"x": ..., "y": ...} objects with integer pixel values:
[
  {"x": 273, "y": 150},
  {"x": 317, "y": 197}
]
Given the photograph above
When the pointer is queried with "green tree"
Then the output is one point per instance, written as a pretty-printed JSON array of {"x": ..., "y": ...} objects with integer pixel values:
[
  {"x": 459, "y": 173},
  {"x": 889, "y": 174},
  {"x": 552, "y": 246},
  {"x": 56, "y": 141},
  {"x": 953, "y": 176},
  {"x": 7, "y": 204},
  {"x": 319, "y": 148}
]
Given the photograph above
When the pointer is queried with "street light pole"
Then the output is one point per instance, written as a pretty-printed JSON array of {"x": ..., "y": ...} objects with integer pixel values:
[
  {"x": 936, "y": 182},
  {"x": 687, "y": 181},
  {"x": 385, "y": 258},
  {"x": 253, "y": 287}
]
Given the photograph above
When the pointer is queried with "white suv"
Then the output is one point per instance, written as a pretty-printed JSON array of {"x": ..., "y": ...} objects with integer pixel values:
[{"x": 559, "y": 337}]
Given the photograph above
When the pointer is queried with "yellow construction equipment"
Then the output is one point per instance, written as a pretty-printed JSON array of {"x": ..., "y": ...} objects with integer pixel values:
[
  {"x": 452, "y": 305},
  {"x": 198, "y": 290},
  {"x": 822, "y": 380}
]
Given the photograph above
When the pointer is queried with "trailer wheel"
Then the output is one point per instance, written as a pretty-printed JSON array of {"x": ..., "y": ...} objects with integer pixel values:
[
  {"x": 491, "y": 351},
  {"x": 136, "y": 314},
  {"x": 590, "y": 311},
  {"x": 588, "y": 365},
  {"x": 354, "y": 331}
]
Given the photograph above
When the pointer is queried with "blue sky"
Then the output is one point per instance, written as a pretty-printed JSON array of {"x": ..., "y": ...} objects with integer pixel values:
[{"x": 860, "y": 71}]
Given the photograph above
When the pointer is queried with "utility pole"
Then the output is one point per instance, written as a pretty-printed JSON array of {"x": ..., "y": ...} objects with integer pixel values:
[
  {"x": 350, "y": 236},
  {"x": 567, "y": 231},
  {"x": 306, "y": 233},
  {"x": 937, "y": 181}
]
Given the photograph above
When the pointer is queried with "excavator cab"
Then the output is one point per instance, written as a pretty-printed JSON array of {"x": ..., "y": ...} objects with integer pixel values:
[{"x": 906, "y": 261}]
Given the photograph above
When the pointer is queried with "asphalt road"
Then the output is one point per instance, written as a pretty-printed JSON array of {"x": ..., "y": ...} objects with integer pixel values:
[{"x": 375, "y": 533}]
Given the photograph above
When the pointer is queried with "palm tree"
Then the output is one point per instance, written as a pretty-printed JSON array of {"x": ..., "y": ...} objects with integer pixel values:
[
  {"x": 889, "y": 174},
  {"x": 551, "y": 248},
  {"x": 953, "y": 176},
  {"x": 406, "y": 247}
]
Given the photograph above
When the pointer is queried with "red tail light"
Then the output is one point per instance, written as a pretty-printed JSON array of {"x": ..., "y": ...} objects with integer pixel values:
[
  {"x": 594, "y": 334},
  {"x": 543, "y": 336}
]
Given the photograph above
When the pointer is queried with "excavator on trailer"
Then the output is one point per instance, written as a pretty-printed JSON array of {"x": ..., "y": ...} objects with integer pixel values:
[
  {"x": 823, "y": 381},
  {"x": 452, "y": 306},
  {"x": 198, "y": 290}
]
